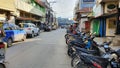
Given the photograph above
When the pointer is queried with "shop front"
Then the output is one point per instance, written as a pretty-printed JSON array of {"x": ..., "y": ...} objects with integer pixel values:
[
  {"x": 111, "y": 13},
  {"x": 95, "y": 25},
  {"x": 111, "y": 24}
]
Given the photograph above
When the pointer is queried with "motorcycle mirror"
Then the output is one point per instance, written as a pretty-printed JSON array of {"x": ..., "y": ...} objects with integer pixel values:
[{"x": 94, "y": 33}]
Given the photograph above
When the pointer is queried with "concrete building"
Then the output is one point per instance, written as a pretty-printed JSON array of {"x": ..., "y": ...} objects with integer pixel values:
[
  {"x": 31, "y": 11},
  {"x": 19, "y": 11},
  {"x": 82, "y": 9},
  {"x": 7, "y": 7},
  {"x": 105, "y": 18},
  {"x": 50, "y": 14}
]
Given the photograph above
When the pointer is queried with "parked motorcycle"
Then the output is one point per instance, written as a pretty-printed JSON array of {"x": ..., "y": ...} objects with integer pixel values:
[
  {"x": 3, "y": 47},
  {"x": 89, "y": 44},
  {"x": 2, "y": 54},
  {"x": 110, "y": 59}
]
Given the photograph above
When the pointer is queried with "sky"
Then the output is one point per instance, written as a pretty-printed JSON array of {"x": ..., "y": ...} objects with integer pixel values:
[{"x": 63, "y": 8}]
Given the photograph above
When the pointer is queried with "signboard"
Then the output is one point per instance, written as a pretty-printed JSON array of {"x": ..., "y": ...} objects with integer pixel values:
[
  {"x": 88, "y": 0},
  {"x": 111, "y": 8}
]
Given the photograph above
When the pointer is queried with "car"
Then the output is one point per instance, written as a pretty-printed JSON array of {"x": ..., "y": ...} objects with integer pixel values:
[
  {"x": 31, "y": 29},
  {"x": 13, "y": 33}
]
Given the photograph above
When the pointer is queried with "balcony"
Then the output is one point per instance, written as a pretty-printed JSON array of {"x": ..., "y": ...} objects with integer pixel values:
[{"x": 21, "y": 5}]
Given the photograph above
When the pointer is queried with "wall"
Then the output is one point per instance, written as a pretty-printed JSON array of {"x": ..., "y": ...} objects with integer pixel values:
[
  {"x": 99, "y": 11},
  {"x": 7, "y": 5},
  {"x": 82, "y": 23},
  {"x": 28, "y": 8}
]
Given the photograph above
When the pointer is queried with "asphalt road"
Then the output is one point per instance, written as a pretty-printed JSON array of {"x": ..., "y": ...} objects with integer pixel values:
[{"x": 45, "y": 51}]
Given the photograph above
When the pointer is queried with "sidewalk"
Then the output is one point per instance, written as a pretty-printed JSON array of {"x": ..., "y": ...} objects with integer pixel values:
[{"x": 115, "y": 41}]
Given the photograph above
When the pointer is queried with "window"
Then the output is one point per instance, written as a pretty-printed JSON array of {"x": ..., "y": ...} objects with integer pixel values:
[
  {"x": 25, "y": 25},
  {"x": 12, "y": 26},
  {"x": 6, "y": 27}
]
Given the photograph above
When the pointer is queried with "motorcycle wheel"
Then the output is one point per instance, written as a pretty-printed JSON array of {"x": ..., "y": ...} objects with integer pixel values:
[
  {"x": 78, "y": 63},
  {"x": 68, "y": 52},
  {"x": 2, "y": 65},
  {"x": 75, "y": 60}
]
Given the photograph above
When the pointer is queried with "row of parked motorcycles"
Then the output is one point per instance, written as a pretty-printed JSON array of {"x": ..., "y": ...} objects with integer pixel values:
[{"x": 85, "y": 52}]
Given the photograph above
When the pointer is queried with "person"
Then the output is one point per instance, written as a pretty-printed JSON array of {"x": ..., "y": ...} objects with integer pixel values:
[
  {"x": 75, "y": 28},
  {"x": 70, "y": 29},
  {"x": 3, "y": 45}
]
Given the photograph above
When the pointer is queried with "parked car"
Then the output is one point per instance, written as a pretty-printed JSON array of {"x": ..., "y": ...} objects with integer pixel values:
[
  {"x": 13, "y": 33},
  {"x": 47, "y": 28},
  {"x": 31, "y": 29}
]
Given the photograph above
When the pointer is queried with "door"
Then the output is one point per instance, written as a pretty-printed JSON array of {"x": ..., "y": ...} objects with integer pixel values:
[
  {"x": 87, "y": 26},
  {"x": 96, "y": 25},
  {"x": 111, "y": 27},
  {"x": 16, "y": 36},
  {"x": 20, "y": 32}
]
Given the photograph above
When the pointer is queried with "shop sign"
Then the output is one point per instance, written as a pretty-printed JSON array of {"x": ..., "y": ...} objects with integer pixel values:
[{"x": 111, "y": 8}]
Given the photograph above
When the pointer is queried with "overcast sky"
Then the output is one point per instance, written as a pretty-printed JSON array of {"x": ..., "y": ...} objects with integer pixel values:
[{"x": 63, "y": 8}]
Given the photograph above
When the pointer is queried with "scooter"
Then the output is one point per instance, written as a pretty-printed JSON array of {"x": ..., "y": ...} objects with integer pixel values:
[
  {"x": 86, "y": 46},
  {"x": 2, "y": 54},
  {"x": 110, "y": 59}
]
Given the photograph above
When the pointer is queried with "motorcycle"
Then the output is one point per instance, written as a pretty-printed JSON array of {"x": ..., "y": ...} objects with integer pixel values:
[
  {"x": 88, "y": 45},
  {"x": 110, "y": 59},
  {"x": 2, "y": 54},
  {"x": 3, "y": 47}
]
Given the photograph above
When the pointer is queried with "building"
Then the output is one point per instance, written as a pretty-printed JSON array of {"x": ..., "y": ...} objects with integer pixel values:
[
  {"x": 82, "y": 9},
  {"x": 22, "y": 11},
  {"x": 50, "y": 14},
  {"x": 6, "y": 10},
  {"x": 31, "y": 11},
  {"x": 106, "y": 18}
]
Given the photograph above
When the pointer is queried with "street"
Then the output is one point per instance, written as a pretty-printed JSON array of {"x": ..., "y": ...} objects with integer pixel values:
[{"x": 45, "y": 51}]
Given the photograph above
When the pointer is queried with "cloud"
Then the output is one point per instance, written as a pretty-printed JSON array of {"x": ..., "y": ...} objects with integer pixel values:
[{"x": 64, "y": 8}]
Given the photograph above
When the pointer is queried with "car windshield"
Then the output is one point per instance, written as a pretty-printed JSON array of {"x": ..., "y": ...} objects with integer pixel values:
[{"x": 25, "y": 25}]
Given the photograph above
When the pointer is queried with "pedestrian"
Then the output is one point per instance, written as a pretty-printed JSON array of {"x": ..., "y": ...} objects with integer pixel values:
[
  {"x": 70, "y": 29},
  {"x": 75, "y": 28}
]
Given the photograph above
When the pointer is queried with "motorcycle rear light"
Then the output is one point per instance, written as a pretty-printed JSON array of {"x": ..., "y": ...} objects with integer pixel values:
[
  {"x": 97, "y": 65},
  {"x": 2, "y": 45}
]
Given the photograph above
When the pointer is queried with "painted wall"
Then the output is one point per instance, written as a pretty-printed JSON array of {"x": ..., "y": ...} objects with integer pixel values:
[
  {"x": 7, "y": 4},
  {"x": 99, "y": 11},
  {"x": 28, "y": 8},
  {"x": 82, "y": 23}
]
